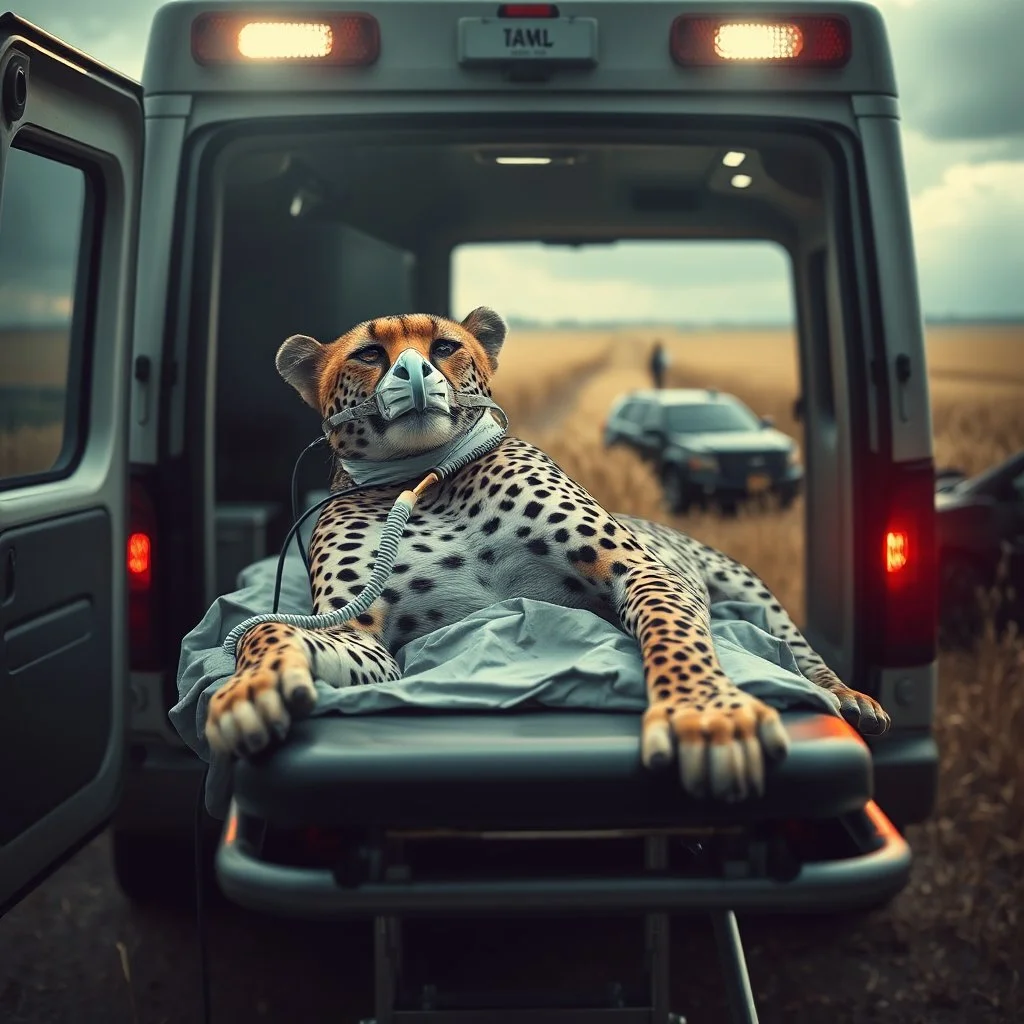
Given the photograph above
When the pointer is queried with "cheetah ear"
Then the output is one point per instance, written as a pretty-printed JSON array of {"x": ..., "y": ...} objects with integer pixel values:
[
  {"x": 300, "y": 362},
  {"x": 489, "y": 329}
]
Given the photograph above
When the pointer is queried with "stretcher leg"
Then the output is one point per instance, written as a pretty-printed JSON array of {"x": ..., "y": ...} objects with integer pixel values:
[
  {"x": 386, "y": 963},
  {"x": 658, "y": 937},
  {"x": 739, "y": 994}
]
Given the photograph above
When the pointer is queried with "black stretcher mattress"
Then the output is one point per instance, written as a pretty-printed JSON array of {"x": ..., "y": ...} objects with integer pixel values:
[{"x": 536, "y": 769}]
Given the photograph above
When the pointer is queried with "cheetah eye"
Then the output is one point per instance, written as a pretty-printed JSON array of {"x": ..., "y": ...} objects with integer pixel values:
[
  {"x": 369, "y": 354},
  {"x": 444, "y": 348}
]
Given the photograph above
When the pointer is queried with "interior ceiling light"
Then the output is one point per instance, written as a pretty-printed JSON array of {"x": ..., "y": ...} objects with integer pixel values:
[
  {"x": 533, "y": 155},
  {"x": 523, "y": 161},
  {"x": 733, "y": 158},
  {"x": 742, "y": 181}
]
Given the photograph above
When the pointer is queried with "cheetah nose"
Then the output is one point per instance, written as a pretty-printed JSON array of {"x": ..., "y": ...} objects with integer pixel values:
[
  {"x": 412, "y": 367},
  {"x": 401, "y": 370},
  {"x": 412, "y": 384}
]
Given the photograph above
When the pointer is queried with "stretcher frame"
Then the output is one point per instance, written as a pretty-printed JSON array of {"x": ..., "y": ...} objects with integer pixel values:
[{"x": 384, "y": 892}]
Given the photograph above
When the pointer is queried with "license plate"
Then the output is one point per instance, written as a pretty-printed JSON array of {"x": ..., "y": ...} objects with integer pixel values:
[
  {"x": 565, "y": 42},
  {"x": 758, "y": 482}
]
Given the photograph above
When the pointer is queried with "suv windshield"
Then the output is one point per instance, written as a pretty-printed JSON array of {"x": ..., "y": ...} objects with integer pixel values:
[{"x": 706, "y": 419}]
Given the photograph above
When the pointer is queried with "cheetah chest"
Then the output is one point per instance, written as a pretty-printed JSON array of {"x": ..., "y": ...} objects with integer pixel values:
[{"x": 452, "y": 561}]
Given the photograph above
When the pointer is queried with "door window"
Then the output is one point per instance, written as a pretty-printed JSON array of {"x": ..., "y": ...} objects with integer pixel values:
[{"x": 42, "y": 217}]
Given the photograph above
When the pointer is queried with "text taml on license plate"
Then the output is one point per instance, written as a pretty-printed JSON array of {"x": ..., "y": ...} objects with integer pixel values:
[
  {"x": 758, "y": 482},
  {"x": 563, "y": 42}
]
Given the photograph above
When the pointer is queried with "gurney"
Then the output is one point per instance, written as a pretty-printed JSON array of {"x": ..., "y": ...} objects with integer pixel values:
[{"x": 516, "y": 788}]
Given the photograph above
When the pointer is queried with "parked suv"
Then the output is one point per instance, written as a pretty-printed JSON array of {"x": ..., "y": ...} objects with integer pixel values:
[{"x": 708, "y": 447}]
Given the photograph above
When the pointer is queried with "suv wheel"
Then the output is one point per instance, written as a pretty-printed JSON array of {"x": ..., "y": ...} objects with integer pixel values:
[{"x": 674, "y": 491}]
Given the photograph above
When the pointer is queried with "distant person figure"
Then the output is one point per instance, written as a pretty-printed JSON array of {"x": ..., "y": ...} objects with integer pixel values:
[{"x": 659, "y": 364}]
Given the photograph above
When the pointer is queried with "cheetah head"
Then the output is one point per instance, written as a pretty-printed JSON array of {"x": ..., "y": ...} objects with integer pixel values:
[{"x": 344, "y": 373}]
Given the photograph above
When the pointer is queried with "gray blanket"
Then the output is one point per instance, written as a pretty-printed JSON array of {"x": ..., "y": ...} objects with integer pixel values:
[{"x": 512, "y": 654}]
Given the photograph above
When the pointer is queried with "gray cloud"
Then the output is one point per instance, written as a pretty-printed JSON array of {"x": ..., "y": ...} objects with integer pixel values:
[
  {"x": 113, "y": 31},
  {"x": 40, "y": 224},
  {"x": 959, "y": 68},
  {"x": 100, "y": 19},
  {"x": 696, "y": 282},
  {"x": 665, "y": 264}
]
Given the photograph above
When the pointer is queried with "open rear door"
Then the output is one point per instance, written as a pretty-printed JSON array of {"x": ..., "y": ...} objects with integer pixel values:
[{"x": 70, "y": 165}]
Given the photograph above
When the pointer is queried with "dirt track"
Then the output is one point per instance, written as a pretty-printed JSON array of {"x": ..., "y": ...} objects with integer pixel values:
[{"x": 60, "y": 963}]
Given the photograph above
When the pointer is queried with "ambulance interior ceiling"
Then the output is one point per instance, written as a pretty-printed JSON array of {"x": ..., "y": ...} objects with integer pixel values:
[
  {"x": 291, "y": 263},
  {"x": 408, "y": 194}
]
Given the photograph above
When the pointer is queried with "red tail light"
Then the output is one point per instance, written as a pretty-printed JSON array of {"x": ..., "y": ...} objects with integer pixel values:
[
  {"x": 140, "y": 550},
  {"x": 335, "y": 39},
  {"x": 141, "y": 555},
  {"x": 906, "y": 567},
  {"x": 819, "y": 42},
  {"x": 897, "y": 550}
]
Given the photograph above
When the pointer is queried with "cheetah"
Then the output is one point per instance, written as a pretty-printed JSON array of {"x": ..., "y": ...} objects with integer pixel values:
[{"x": 509, "y": 524}]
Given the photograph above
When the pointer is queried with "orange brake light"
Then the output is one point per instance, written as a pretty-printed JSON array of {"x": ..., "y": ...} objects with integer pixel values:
[
  {"x": 350, "y": 39},
  {"x": 821, "y": 42}
]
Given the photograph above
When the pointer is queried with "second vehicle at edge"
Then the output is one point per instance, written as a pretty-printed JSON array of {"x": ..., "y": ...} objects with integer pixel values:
[{"x": 707, "y": 446}]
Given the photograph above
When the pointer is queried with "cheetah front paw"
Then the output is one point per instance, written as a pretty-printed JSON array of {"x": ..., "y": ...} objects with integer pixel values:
[
  {"x": 721, "y": 746},
  {"x": 257, "y": 705}
]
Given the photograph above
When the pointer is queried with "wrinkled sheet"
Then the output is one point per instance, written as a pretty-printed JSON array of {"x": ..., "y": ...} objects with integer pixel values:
[{"x": 515, "y": 653}]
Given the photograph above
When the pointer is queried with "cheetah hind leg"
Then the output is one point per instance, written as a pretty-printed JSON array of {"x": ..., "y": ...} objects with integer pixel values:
[{"x": 273, "y": 681}]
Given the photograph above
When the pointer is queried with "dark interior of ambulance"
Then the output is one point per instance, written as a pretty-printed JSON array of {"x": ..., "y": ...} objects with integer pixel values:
[{"x": 330, "y": 230}]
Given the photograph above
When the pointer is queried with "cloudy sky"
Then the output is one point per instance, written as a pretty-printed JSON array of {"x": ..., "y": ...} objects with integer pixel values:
[{"x": 961, "y": 81}]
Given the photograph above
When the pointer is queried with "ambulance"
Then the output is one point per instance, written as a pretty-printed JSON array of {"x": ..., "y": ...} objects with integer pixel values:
[{"x": 287, "y": 167}]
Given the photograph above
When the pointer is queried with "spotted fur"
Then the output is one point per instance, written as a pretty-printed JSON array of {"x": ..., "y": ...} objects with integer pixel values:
[{"x": 511, "y": 524}]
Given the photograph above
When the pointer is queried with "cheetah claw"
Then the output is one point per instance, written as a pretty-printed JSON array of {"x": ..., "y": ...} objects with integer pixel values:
[
  {"x": 255, "y": 708},
  {"x": 864, "y": 713},
  {"x": 721, "y": 751}
]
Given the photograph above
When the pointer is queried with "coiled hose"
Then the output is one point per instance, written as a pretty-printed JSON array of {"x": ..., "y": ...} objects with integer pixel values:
[{"x": 387, "y": 552}]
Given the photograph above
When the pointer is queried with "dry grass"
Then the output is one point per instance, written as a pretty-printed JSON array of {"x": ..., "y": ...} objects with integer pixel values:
[
  {"x": 959, "y": 926},
  {"x": 30, "y": 359},
  {"x": 975, "y": 844},
  {"x": 33, "y": 357},
  {"x": 977, "y": 353},
  {"x": 528, "y": 387},
  {"x": 973, "y": 431},
  {"x": 29, "y": 450}
]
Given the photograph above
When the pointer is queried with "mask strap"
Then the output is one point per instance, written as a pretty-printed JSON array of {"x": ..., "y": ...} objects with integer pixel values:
[
  {"x": 473, "y": 401},
  {"x": 369, "y": 408},
  {"x": 355, "y": 412}
]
